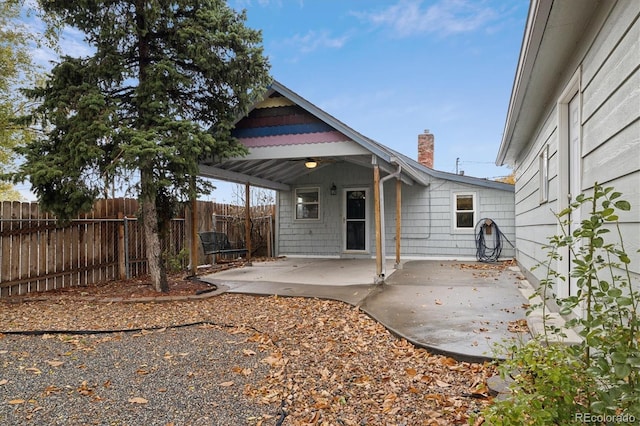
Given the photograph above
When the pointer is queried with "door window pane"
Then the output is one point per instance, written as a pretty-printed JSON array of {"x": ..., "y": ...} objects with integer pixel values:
[{"x": 356, "y": 205}]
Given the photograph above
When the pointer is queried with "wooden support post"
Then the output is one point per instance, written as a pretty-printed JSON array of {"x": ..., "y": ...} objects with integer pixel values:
[
  {"x": 247, "y": 221},
  {"x": 122, "y": 267},
  {"x": 194, "y": 236},
  {"x": 378, "y": 222},
  {"x": 398, "y": 220}
]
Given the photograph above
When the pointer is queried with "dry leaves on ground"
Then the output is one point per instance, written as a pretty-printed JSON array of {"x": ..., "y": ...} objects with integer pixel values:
[{"x": 329, "y": 362}]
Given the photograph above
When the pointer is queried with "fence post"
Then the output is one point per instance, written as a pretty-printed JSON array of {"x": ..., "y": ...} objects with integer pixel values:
[
  {"x": 126, "y": 248},
  {"x": 247, "y": 221},
  {"x": 122, "y": 268},
  {"x": 270, "y": 238}
]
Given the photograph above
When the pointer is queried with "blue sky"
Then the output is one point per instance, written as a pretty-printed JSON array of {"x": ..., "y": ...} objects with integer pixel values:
[{"x": 392, "y": 68}]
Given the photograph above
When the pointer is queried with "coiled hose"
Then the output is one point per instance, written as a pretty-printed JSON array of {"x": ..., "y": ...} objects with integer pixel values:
[{"x": 489, "y": 241}]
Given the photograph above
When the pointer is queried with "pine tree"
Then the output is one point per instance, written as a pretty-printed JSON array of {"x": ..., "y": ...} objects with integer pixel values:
[{"x": 163, "y": 89}]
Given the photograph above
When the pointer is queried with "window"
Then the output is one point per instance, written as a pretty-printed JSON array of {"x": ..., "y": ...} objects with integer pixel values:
[
  {"x": 465, "y": 210},
  {"x": 307, "y": 203},
  {"x": 543, "y": 172}
]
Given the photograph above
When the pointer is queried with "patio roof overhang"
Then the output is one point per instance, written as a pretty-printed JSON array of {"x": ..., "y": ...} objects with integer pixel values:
[
  {"x": 276, "y": 158},
  {"x": 263, "y": 169}
]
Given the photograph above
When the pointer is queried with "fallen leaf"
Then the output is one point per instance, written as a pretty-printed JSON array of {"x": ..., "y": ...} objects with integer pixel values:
[
  {"x": 51, "y": 389},
  {"x": 34, "y": 370},
  {"x": 319, "y": 354},
  {"x": 518, "y": 326},
  {"x": 226, "y": 384},
  {"x": 17, "y": 401},
  {"x": 438, "y": 302},
  {"x": 138, "y": 400},
  {"x": 240, "y": 370},
  {"x": 55, "y": 363},
  {"x": 85, "y": 390},
  {"x": 3, "y": 382}
]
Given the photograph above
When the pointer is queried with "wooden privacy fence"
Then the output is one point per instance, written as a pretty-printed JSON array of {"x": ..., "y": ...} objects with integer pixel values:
[
  {"x": 230, "y": 220},
  {"x": 37, "y": 253}
]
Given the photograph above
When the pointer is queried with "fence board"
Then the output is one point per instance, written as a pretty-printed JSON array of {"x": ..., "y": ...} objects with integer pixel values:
[{"x": 37, "y": 253}]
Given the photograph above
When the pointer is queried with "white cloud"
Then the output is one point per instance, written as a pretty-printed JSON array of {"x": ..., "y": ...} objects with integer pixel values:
[
  {"x": 445, "y": 17},
  {"x": 314, "y": 40},
  {"x": 243, "y": 4}
]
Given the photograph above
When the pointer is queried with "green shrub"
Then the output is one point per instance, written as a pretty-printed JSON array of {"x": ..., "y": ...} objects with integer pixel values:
[
  {"x": 549, "y": 387},
  {"x": 560, "y": 384}
]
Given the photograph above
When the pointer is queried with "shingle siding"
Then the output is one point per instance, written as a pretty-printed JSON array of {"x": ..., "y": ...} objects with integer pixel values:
[
  {"x": 608, "y": 62},
  {"x": 427, "y": 229}
]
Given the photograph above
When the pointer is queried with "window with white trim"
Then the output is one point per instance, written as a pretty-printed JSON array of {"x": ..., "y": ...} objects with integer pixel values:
[
  {"x": 543, "y": 173},
  {"x": 464, "y": 210},
  {"x": 307, "y": 202}
]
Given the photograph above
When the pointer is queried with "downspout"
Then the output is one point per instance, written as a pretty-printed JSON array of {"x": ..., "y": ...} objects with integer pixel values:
[{"x": 395, "y": 174}]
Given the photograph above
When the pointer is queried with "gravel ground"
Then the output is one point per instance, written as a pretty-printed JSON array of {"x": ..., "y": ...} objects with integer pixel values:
[
  {"x": 329, "y": 362},
  {"x": 193, "y": 375}
]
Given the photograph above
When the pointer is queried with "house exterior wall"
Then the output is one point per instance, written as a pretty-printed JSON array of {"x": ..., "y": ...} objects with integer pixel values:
[
  {"x": 428, "y": 229},
  {"x": 323, "y": 237},
  {"x": 427, "y": 217},
  {"x": 606, "y": 68}
]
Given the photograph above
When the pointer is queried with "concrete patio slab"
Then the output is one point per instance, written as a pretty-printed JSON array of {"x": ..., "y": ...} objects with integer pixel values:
[
  {"x": 456, "y": 308},
  {"x": 313, "y": 271}
]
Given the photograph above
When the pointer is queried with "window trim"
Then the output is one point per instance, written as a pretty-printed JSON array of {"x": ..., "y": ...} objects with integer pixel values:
[
  {"x": 295, "y": 203},
  {"x": 543, "y": 173},
  {"x": 454, "y": 210}
]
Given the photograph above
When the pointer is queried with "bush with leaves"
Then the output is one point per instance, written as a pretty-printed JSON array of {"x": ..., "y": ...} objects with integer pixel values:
[{"x": 600, "y": 376}]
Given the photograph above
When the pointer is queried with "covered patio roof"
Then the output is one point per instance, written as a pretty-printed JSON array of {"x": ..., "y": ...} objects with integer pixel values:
[{"x": 284, "y": 130}]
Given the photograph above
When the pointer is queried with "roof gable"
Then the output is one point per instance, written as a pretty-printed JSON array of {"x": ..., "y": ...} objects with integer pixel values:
[
  {"x": 278, "y": 121},
  {"x": 287, "y": 125}
]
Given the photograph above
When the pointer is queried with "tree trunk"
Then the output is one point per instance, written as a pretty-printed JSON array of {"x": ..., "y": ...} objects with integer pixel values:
[{"x": 155, "y": 264}]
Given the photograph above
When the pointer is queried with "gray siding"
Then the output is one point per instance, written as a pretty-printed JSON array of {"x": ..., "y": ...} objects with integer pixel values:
[
  {"x": 427, "y": 218},
  {"x": 322, "y": 237},
  {"x": 608, "y": 61}
]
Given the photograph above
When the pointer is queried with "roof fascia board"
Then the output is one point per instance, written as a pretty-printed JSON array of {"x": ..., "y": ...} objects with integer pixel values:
[
  {"x": 384, "y": 166},
  {"x": 416, "y": 175},
  {"x": 539, "y": 13}
]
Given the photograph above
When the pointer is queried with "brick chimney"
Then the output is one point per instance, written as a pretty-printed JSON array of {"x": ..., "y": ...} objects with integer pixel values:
[{"x": 425, "y": 149}]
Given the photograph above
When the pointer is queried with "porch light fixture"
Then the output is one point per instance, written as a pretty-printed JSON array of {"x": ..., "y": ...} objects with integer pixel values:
[
  {"x": 333, "y": 189},
  {"x": 310, "y": 163}
]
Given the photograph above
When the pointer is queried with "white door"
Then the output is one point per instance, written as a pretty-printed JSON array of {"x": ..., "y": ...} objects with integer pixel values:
[
  {"x": 575, "y": 181},
  {"x": 355, "y": 220}
]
